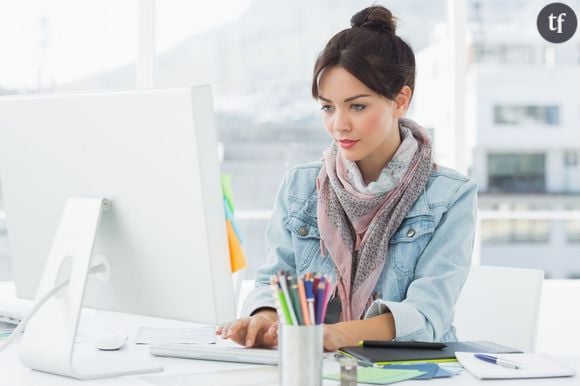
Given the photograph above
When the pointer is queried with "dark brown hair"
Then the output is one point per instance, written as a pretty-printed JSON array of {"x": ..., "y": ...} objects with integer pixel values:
[{"x": 372, "y": 52}]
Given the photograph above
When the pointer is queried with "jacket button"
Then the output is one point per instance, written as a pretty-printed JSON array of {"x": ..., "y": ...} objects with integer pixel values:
[
  {"x": 303, "y": 230},
  {"x": 411, "y": 232}
]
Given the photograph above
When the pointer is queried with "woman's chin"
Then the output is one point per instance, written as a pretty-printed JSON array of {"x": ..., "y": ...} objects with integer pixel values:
[{"x": 349, "y": 155}]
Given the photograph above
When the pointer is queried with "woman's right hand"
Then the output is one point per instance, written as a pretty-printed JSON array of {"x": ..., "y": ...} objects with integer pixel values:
[{"x": 258, "y": 330}]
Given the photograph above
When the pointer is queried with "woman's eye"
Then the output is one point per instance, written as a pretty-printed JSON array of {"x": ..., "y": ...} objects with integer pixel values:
[
  {"x": 358, "y": 107},
  {"x": 326, "y": 108}
]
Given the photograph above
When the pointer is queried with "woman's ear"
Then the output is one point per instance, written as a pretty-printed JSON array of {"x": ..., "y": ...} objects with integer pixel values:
[{"x": 402, "y": 100}]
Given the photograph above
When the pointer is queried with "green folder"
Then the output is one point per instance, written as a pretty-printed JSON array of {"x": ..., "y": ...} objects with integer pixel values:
[{"x": 380, "y": 376}]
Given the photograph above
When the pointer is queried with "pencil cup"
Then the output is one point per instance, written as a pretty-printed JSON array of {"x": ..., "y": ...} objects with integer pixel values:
[{"x": 301, "y": 355}]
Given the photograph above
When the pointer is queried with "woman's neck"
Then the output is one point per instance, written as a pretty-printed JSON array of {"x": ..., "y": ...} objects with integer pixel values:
[{"x": 372, "y": 165}]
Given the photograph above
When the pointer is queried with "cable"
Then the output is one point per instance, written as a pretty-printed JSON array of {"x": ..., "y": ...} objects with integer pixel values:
[{"x": 39, "y": 303}]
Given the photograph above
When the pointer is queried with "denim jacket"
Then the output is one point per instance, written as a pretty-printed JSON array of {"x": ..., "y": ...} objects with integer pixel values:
[{"x": 427, "y": 261}]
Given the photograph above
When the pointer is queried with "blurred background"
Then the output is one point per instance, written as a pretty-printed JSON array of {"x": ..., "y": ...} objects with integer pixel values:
[
  {"x": 501, "y": 103},
  {"x": 519, "y": 98}
]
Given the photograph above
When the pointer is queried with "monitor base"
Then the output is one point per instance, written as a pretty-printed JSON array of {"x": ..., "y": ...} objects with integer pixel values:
[{"x": 48, "y": 343}]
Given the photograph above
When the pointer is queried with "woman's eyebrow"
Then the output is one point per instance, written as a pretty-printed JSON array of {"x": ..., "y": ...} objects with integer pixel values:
[{"x": 347, "y": 99}]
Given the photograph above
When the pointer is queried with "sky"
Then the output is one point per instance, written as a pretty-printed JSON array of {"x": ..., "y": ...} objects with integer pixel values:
[{"x": 71, "y": 39}]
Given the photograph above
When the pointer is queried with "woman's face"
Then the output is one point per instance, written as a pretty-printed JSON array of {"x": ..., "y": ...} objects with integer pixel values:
[{"x": 363, "y": 124}]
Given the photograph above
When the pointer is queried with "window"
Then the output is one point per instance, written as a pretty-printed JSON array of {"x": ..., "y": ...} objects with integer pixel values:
[
  {"x": 573, "y": 231},
  {"x": 523, "y": 115},
  {"x": 515, "y": 231},
  {"x": 512, "y": 173},
  {"x": 503, "y": 53},
  {"x": 571, "y": 159},
  {"x": 67, "y": 45}
]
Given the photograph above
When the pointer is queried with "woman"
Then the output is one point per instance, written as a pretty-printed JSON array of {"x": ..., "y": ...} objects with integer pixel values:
[{"x": 393, "y": 229}]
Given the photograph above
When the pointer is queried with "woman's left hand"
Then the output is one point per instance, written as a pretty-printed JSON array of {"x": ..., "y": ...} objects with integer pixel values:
[
  {"x": 335, "y": 337},
  {"x": 380, "y": 327}
]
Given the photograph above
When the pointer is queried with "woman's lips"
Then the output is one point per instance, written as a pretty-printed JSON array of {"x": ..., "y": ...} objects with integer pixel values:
[{"x": 347, "y": 143}]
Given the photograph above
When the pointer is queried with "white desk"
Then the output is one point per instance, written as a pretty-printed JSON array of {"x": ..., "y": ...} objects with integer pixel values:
[
  {"x": 191, "y": 372},
  {"x": 216, "y": 373}
]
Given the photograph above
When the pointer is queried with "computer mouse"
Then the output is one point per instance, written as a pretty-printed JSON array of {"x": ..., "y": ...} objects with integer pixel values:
[{"x": 110, "y": 342}]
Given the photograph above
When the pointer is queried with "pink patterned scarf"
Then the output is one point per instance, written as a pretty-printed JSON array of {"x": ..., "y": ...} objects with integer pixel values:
[{"x": 357, "y": 221}]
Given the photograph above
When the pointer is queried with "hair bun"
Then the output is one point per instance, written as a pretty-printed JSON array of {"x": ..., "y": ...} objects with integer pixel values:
[{"x": 377, "y": 18}]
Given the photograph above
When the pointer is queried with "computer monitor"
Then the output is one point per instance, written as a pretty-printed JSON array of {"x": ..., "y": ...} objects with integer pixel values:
[{"x": 149, "y": 154}]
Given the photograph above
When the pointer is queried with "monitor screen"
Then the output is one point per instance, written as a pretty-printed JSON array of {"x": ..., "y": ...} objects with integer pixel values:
[{"x": 153, "y": 154}]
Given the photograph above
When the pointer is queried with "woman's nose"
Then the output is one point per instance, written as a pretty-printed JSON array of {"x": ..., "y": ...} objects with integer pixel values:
[{"x": 341, "y": 122}]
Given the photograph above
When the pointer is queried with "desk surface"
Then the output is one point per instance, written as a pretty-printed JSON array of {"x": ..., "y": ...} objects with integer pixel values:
[
  {"x": 199, "y": 373},
  {"x": 194, "y": 372}
]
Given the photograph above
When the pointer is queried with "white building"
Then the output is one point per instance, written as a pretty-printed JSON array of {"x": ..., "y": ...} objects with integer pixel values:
[{"x": 523, "y": 124}]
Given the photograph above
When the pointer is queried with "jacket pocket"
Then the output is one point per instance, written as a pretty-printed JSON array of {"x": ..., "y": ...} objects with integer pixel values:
[
  {"x": 305, "y": 240},
  {"x": 409, "y": 241}
]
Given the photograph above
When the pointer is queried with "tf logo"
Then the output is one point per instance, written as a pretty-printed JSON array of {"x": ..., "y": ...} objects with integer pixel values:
[{"x": 557, "y": 22}]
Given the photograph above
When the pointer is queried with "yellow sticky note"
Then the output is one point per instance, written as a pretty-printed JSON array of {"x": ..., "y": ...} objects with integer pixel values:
[{"x": 237, "y": 256}]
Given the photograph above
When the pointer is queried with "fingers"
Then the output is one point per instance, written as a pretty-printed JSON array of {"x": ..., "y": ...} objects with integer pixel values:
[
  {"x": 236, "y": 331},
  {"x": 262, "y": 332},
  {"x": 251, "y": 332},
  {"x": 256, "y": 325},
  {"x": 223, "y": 330},
  {"x": 271, "y": 336},
  {"x": 273, "y": 330},
  {"x": 239, "y": 330}
]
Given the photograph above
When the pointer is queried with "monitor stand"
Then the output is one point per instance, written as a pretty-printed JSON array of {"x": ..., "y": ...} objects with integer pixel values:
[{"x": 48, "y": 343}]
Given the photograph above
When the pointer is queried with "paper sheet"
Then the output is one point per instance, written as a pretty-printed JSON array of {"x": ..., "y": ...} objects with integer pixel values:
[
  {"x": 431, "y": 370},
  {"x": 227, "y": 190},
  {"x": 184, "y": 335},
  {"x": 534, "y": 366},
  {"x": 237, "y": 257}
]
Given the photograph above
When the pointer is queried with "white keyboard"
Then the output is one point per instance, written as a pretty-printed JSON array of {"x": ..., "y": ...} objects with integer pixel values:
[
  {"x": 13, "y": 314},
  {"x": 216, "y": 353}
]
